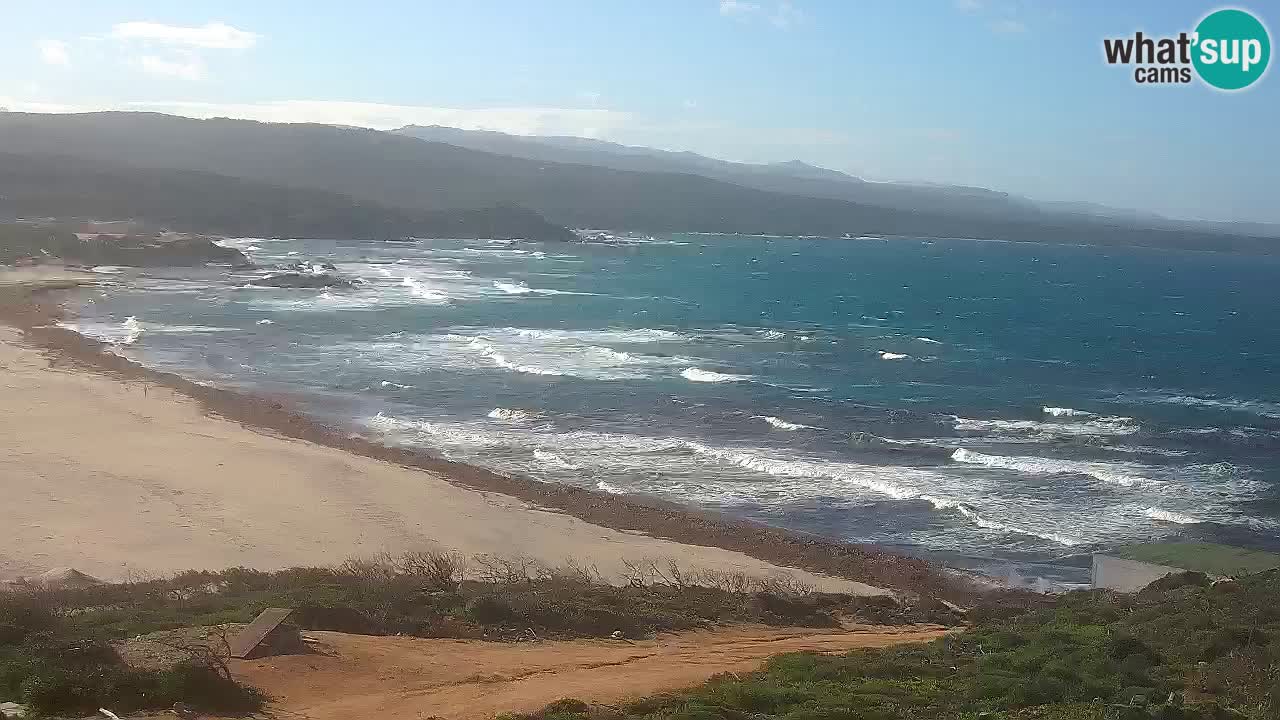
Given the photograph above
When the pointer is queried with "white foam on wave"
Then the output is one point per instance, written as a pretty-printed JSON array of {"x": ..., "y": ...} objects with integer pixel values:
[
  {"x": 512, "y": 288},
  {"x": 807, "y": 469},
  {"x": 119, "y": 334},
  {"x": 107, "y": 269},
  {"x": 773, "y": 335},
  {"x": 489, "y": 351},
  {"x": 534, "y": 352},
  {"x": 519, "y": 288},
  {"x": 265, "y": 322},
  {"x": 1170, "y": 516},
  {"x": 551, "y": 459},
  {"x": 1093, "y": 425},
  {"x": 781, "y": 424},
  {"x": 422, "y": 291},
  {"x": 1065, "y": 412},
  {"x": 931, "y": 341},
  {"x": 1049, "y": 466},
  {"x": 512, "y": 415},
  {"x": 398, "y": 386},
  {"x": 694, "y": 374},
  {"x": 976, "y": 518},
  {"x": 885, "y": 355},
  {"x": 605, "y": 336},
  {"x": 1263, "y": 408},
  {"x": 685, "y": 475}
]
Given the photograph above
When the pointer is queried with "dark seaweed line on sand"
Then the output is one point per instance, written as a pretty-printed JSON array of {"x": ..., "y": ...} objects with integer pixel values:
[{"x": 35, "y": 311}]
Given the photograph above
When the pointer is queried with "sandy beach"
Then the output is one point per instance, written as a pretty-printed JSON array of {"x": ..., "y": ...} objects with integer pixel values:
[{"x": 122, "y": 478}]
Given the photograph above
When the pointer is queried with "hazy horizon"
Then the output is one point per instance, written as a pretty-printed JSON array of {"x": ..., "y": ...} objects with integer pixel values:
[{"x": 1014, "y": 97}]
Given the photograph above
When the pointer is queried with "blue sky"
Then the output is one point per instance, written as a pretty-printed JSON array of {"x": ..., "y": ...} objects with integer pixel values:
[{"x": 1007, "y": 94}]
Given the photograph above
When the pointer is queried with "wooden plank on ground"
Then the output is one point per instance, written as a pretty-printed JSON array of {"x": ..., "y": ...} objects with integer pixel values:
[{"x": 244, "y": 643}]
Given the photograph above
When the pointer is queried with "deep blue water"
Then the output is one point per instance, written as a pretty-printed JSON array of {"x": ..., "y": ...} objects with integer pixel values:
[{"x": 1008, "y": 407}]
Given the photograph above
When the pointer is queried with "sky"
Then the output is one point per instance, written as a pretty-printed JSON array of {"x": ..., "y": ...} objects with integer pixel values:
[{"x": 1012, "y": 95}]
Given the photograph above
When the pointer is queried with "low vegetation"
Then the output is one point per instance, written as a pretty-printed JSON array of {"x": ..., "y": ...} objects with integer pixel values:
[
  {"x": 1204, "y": 557},
  {"x": 1182, "y": 649},
  {"x": 49, "y": 663},
  {"x": 59, "y": 648}
]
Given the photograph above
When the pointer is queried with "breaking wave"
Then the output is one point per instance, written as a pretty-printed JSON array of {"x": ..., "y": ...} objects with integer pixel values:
[
  {"x": 781, "y": 424},
  {"x": 1048, "y": 466},
  {"x": 553, "y": 460},
  {"x": 805, "y": 469},
  {"x": 977, "y": 519},
  {"x": 1085, "y": 424},
  {"x": 420, "y": 290},
  {"x": 513, "y": 415},
  {"x": 1170, "y": 516},
  {"x": 694, "y": 374},
  {"x": 884, "y": 355}
]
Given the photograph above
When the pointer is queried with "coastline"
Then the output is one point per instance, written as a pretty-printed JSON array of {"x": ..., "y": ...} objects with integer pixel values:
[{"x": 31, "y": 309}]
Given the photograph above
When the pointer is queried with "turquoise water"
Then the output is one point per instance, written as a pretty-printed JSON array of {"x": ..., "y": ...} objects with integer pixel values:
[{"x": 1005, "y": 407}]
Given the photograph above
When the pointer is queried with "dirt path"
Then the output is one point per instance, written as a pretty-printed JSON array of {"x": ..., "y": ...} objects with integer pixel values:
[{"x": 399, "y": 677}]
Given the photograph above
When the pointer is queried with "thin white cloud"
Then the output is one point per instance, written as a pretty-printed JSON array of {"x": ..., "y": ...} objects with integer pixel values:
[
  {"x": 738, "y": 8},
  {"x": 782, "y": 14},
  {"x": 968, "y": 5},
  {"x": 210, "y": 36},
  {"x": 54, "y": 52},
  {"x": 1008, "y": 25},
  {"x": 189, "y": 68}
]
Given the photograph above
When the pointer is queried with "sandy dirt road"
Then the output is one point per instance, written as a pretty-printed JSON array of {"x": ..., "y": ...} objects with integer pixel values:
[{"x": 398, "y": 677}]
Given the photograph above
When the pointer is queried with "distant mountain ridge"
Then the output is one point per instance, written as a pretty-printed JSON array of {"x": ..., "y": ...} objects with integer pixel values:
[
  {"x": 397, "y": 178},
  {"x": 791, "y": 177},
  {"x": 39, "y": 186},
  {"x": 800, "y": 178}
]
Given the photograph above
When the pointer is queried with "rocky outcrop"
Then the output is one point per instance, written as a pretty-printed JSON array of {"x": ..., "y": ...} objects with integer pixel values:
[
  {"x": 22, "y": 241},
  {"x": 293, "y": 279}
]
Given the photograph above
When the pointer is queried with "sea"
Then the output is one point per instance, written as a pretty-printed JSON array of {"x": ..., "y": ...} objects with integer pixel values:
[{"x": 1002, "y": 408}]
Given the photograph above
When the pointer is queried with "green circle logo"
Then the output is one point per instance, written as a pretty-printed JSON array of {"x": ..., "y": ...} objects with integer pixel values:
[{"x": 1232, "y": 49}]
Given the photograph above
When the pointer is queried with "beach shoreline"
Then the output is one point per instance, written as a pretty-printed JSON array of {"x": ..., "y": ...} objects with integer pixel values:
[{"x": 32, "y": 309}]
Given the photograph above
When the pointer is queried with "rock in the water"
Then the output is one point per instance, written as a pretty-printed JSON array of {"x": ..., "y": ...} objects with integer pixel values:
[{"x": 303, "y": 280}]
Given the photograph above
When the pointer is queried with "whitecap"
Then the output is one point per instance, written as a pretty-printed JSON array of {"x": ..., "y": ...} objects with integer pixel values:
[
  {"x": 1170, "y": 516},
  {"x": 420, "y": 290},
  {"x": 1048, "y": 466},
  {"x": 1065, "y": 412},
  {"x": 553, "y": 460},
  {"x": 398, "y": 386},
  {"x": 266, "y": 322},
  {"x": 931, "y": 341},
  {"x": 1093, "y": 425},
  {"x": 512, "y": 288},
  {"x": 514, "y": 415},
  {"x": 806, "y": 469},
  {"x": 976, "y": 518},
  {"x": 694, "y": 374},
  {"x": 884, "y": 355},
  {"x": 609, "y": 488},
  {"x": 1262, "y": 408},
  {"x": 781, "y": 424}
]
